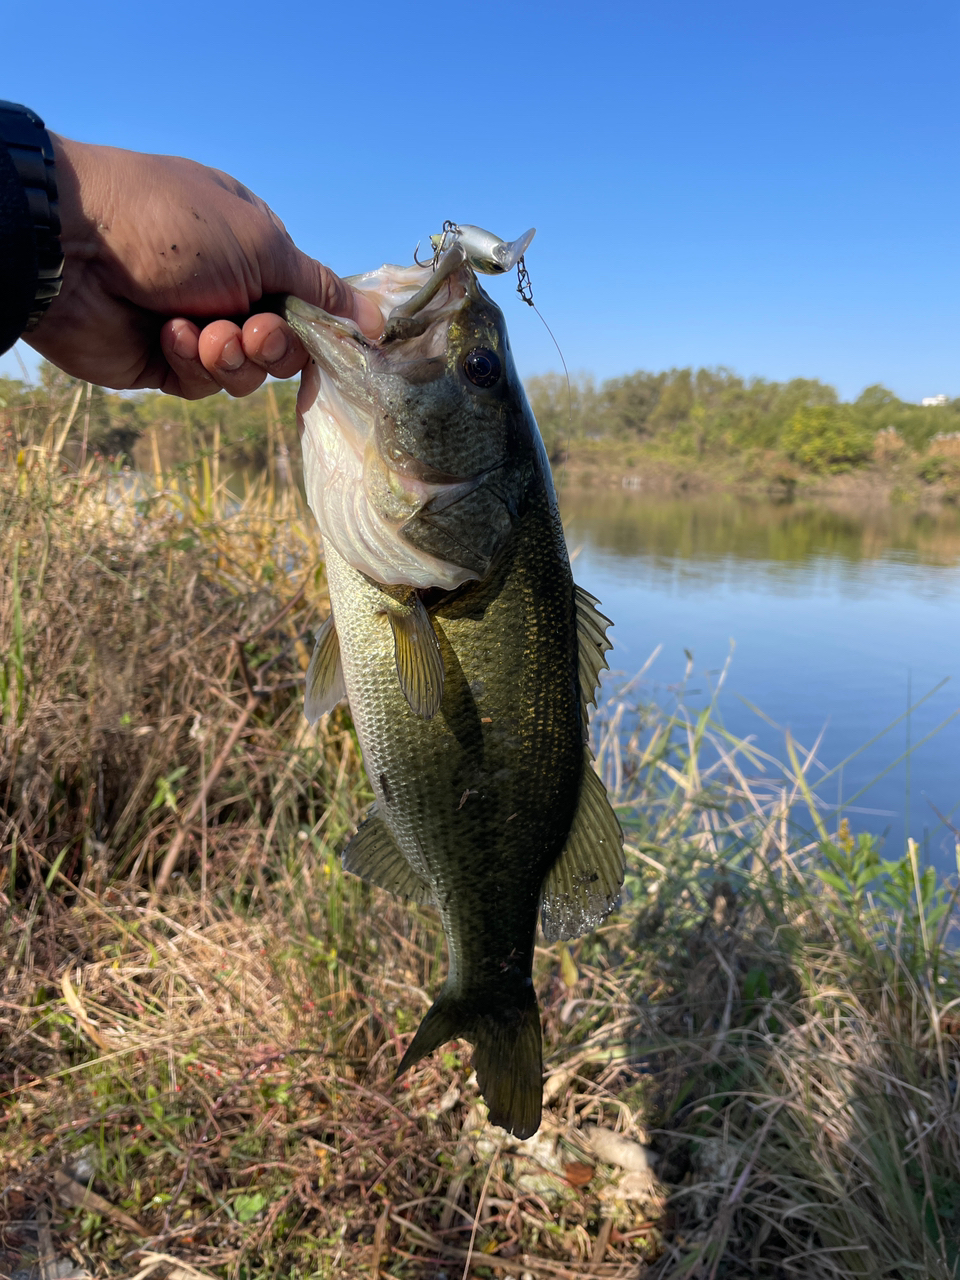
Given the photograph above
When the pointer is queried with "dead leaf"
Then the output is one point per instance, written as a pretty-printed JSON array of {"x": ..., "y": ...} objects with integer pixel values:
[
  {"x": 614, "y": 1148},
  {"x": 577, "y": 1173},
  {"x": 568, "y": 969},
  {"x": 78, "y": 1011},
  {"x": 179, "y": 1270}
]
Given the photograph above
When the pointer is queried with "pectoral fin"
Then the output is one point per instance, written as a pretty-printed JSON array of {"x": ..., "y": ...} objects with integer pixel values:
[
  {"x": 593, "y": 646},
  {"x": 418, "y": 656},
  {"x": 583, "y": 885},
  {"x": 324, "y": 686},
  {"x": 374, "y": 856}
]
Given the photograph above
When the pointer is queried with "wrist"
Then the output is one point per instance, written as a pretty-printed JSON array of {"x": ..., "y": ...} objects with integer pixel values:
[{"x": 77, "y": 183}]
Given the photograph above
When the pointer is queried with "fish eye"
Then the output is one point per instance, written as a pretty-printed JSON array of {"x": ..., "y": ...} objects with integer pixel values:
[{"x": 482, "y": 367}]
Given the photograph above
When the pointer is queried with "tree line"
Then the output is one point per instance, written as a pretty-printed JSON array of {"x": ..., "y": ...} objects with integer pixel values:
[
  {"x": 699, "y": 413},
  {"x": 696, "y": 414}
]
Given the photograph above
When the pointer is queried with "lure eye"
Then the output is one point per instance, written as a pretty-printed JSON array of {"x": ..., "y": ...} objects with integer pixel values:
[{"x": 482, "y": 367}]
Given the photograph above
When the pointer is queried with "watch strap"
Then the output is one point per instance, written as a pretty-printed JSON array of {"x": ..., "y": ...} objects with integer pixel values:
[{"x": 31, "y": 152}]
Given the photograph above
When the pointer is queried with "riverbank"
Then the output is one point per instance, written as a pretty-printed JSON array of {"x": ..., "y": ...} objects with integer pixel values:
[
  {"x": 749, "y": 1068},
  {"x": 680, "y": 430},
  {"x": 653, "y": 468}
]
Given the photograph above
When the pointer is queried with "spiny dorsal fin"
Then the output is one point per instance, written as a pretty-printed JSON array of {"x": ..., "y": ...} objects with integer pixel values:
[
  {"x": 592, "y": 647},
  {"x": 373, "y": 855},
  {"x": 325, "y": 687},
  {"x": 583, "y": 885},
  {"x": 419, "y": 660}
]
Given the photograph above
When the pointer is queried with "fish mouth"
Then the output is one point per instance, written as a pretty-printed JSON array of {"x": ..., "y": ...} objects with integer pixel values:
[
  {"x": 337, "y": 344},
  {"x": 473, "y": 248},
  {"x": 454, "y": 258},
  {"x": 411, "y": 299}
]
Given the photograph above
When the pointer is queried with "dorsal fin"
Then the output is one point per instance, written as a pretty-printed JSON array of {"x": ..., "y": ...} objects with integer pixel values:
[
  {"x": 418, "y": 656},
  {"x": 592, "y": 646},
  {"x": 374, "y": 856},
  {"x": 324, "y": 684},
  {"x": 583, "y": 885}
]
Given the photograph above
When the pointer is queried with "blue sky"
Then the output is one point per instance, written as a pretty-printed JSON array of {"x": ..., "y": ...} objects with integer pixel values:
[{"x": 764, "y": 186}]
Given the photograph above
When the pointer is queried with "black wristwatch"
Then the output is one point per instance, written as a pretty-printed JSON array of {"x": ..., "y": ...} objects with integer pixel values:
[{"x": 32, "y": 154}]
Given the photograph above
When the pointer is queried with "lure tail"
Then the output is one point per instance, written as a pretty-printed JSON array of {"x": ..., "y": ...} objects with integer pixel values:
[{"x": 507, "y": 1053}]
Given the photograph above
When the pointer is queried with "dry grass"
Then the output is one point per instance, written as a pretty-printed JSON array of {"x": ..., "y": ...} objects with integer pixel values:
[{"x": 770, "y": 1021}]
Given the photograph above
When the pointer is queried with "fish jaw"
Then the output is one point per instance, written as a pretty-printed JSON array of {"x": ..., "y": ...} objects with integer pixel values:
[
  {"x": 361, "y": 502},
  {"x": 414, "y": 468}
]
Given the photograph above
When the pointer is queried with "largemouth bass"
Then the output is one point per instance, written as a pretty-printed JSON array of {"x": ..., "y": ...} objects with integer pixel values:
[{"x": 468, "y": 655}]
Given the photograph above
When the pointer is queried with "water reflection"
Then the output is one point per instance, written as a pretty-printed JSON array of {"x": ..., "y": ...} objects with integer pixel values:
[
  {"x": 837, "y": 614},
  {"x": 720, "y": 526}
]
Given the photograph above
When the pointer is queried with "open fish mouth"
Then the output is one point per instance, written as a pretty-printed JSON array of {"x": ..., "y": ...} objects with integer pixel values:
[
  {"x": 400, "y": 432},
  {"x": 405, "y": 294}
]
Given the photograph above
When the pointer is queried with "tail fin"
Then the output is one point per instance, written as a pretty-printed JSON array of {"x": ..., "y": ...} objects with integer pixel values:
[{"x": 507, "y": 1055}]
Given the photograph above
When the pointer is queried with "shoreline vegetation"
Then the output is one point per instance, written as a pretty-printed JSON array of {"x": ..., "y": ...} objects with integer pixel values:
[
  {"x": 681, "y": 430},
  {"x": 691, "y": 430},
  {"x": 751, "y": 1068}
]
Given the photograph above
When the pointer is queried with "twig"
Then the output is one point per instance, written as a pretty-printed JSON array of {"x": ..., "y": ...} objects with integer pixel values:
[
  {"x": 479, "y": 1213},
  {"x": 176, "y": 844},
  {"x": 48, "y": 1255},
  {"x": 78, "y": 1196}
]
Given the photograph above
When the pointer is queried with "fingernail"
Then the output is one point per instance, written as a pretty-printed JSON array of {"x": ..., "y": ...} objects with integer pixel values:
[
  {"x": 232, "y": 356},
  {"x": 367, "y": 315},
  {"x": 185, "y": 344},
  {"x": 274, "y": 347}
]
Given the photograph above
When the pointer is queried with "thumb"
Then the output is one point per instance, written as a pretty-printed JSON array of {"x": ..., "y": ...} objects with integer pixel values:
[{"x": 318, "y": 285}]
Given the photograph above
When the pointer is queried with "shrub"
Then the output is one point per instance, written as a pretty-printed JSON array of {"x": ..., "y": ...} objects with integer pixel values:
[
  {"x": 888, "y": 445},
  {"x": 946, "y": 444},
  {"x": 826, "y": 438}
]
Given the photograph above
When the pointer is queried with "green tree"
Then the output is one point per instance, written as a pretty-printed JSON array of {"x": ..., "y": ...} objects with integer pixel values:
[
  {"x": 565, "y": 410},
  {"x": 677, "y": 398},
  {"x": 826, "y": 438},
  {"x": 625, "y": 405}
]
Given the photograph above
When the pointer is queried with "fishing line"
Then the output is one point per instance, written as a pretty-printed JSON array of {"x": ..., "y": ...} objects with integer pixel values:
[{"x": 525, "y": 290}]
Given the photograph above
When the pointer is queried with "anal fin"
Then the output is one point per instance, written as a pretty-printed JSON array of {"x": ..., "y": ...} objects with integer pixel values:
[
  {"x": 374, "y": 856},
  {"x": 583, "y": 885},
  {"x": 324, "y": 684},
  {"x": 418, "y": 656}
]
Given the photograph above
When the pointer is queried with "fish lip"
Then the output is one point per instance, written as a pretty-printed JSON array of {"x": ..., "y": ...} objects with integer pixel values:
[{"x": 325, "y": 336}]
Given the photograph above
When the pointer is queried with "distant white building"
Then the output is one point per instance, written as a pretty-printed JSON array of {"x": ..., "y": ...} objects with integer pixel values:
[{"x": 930, "y": 402}]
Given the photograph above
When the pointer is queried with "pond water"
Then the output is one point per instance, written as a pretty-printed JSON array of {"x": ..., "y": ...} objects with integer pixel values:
[{"x": 837, "y": 617}]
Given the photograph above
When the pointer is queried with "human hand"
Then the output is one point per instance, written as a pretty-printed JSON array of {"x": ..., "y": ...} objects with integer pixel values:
[{"x": 157, "y": 250}]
